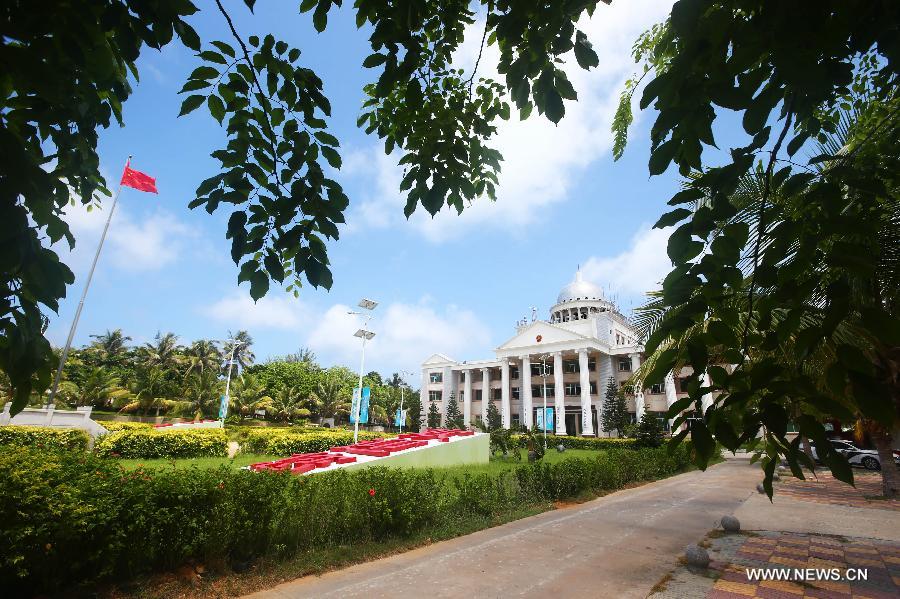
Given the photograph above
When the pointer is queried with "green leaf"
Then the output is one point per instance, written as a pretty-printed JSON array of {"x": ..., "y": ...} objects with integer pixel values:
[
  {"x": 662, "y": 156},
  {"x": 373, "y": 60},
  {"x": 584, "y": 52},
  {"x": 331, "y": 155},
  {"x": 190, "y": 104},
  {"x": 204, "y": 72},
  {"x": 224, "y": 48},
  {"x": 327, "y": 138},
  {"x": 210, "y": 56},
  {"x": 670, "y": 218},
  {"x": 259, "y": 285},
  {"x": 216, "y": 107}
]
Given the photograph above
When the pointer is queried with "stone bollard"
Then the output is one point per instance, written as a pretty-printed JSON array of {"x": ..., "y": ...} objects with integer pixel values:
[
  {"x": 696, "y": 556},
  {"x": 560, "y": 448},
  {"x": 731, "y": 524},
  {"x": 776, "y": 476},
  {"x": 760, "y": 488}
]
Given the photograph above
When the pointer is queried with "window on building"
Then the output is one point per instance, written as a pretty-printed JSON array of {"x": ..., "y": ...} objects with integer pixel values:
[
  {"x": 462, "y": 377},
  {"x": 536, "y": 368},
  {"x": 624, "y": 364},
  {"x": 436, "y": 377},
  {"x": 570, "y": 366},
  {"x": 683, "y": 385},
  {"x": 477, "y": 394},
  {"x": 514, "y": 372},
  {"x": 593, "y": 388},
  {"x": 537, "y": 391},
  {"x": 514, "y": 419},
  {"x": 573, "y": 389},
  {"x": 496, "y": 393},
  {"x": 592, "y": 364},
  {"x": 632, "y": 418},
  {"x": 515, "y": 392},
  {"x": 657, "y": 388},
  {"x": 434, "y": 396}
]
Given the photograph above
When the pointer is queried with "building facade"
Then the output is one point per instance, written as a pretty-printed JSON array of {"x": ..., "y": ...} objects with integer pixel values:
[{"x": 564, "y": 362}]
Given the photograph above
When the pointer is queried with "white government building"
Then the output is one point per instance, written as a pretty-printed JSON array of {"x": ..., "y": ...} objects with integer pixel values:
[{"x": 584, "y": 343}]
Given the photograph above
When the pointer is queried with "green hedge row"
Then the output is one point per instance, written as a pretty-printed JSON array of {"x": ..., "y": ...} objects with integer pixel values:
[
  {"x": 570, "y": 442},
  {"x": 284, "y": 443},
  {"x": 44, "y": 437},
  {"x": 147, "y": 444},
  {"x": 113, "y": 425},
  {"x": 118, "y": 523}
]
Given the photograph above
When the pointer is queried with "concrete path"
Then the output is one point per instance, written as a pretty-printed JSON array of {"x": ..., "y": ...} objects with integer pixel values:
[{"x": 615, "y": 546}]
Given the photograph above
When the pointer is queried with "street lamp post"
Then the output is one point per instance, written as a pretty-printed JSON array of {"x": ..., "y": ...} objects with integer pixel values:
[
  {"x": 402, "y": 383},
  {"x": 544, "y": 415},
  {"x": 365, "y": 335},
  {"x": 234, "y": 346}
]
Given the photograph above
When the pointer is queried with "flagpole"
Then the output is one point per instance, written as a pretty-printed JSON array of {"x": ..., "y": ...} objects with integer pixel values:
[{"x": 87, "y": 284}]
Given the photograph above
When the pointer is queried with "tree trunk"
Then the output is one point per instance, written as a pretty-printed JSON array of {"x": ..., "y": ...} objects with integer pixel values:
[{"x": 890, "y": 474}]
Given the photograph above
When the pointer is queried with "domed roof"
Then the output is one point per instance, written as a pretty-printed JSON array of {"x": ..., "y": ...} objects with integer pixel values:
[{"x": 579, "y": 290}]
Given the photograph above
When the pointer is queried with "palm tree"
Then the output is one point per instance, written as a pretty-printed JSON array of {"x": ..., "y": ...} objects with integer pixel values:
[
  {"x": 242, "y": 343},
  {"x": 101, "y": 388},
  {"x": 147, "y": 393},
  {"x": 202, "y": 394},
  {"x": 202, "y": 355},
  {"x": 110, "y": 344},
  {"x": 862, "y": 290},
  {"x": 286, "y": 404},
  {"x": 329, "y": 399},
  {"x": 248, "y": 394},
  {"x": 163, "y": 353}
]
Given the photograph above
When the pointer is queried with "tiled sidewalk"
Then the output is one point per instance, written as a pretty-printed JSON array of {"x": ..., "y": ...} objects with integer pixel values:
[
  {"x": 826, "y": 489},
  {"x": 732, "y": 554}
]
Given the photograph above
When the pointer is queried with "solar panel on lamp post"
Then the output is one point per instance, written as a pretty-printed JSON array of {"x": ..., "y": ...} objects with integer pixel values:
[{"x": 365, "y": 335}]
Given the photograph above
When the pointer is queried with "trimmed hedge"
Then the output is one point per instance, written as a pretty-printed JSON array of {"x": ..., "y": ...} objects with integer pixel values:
[
  {"x": 44, "y": 437},
  {"x": 281, "y": 442},
  {"x": 113, "y": 425},
  {"x": 76, "y": 519},
  {"x": 147, "y": 444},
  {"x": 570, "y": 442}
]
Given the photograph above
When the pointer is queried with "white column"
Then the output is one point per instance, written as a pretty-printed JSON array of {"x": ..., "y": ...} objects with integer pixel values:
[
  {"x": 467, "y": 399},
  {"x": 587, "y": 424},
  {"x": 527, "y": 416},
  {"x": 504, "y": 393},
  {"x": 559, "y": 390},
  {"x": 485, "y": 393},
  {"x": 671, "y": 393},
  {"x": 605, "y": 372},
  {"x": 445, "y": 393},
  {"x": 639, "y": 406},
  {"x": 707, "y": 399},
  {"x": 423, "y": 396}
]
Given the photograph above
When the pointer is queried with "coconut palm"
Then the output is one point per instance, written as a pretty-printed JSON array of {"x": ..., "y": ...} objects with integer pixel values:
[
  {"x": 286, "y": 404},
  {"x": 202, "y": 355},
  {"x": 100, "y": 388},
  {"x": 147, "y": 393},
  {"x": 248, "y": 394},
  {"x": 329, "y": 400},
  {"x": 242, "y": 343},
  {"x": 201, "y": 397},
  {"x": 163, "y": 353},
  {"x": 865, "y": 289},
  {"x": 111, "y": 344}
]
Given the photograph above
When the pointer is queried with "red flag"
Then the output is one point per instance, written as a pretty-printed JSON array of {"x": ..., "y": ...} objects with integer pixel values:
[{"x": 138, "y": 180}]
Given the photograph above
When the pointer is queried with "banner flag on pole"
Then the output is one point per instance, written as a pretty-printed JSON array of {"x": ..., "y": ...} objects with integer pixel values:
[
  {"x": 223, "y": 408},
  {"x": 138, "y": 180},
  {"x": 364, "y": 408}
]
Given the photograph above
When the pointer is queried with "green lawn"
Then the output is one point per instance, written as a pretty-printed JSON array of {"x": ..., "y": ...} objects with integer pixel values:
[{"x": 495, "y": 466}]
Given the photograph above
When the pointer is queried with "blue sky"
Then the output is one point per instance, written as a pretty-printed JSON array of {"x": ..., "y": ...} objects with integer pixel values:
[{"x": 453, "y": 284}]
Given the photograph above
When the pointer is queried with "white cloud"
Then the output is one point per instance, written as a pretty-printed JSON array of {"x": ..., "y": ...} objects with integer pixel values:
[
  {"x": 635, "y": 271},
  {"x": 540, "y": 158},
  {"x": 405, "y": 334},
  {"x": 131, "y": 245},
  {"x": 270, "y": 312}
]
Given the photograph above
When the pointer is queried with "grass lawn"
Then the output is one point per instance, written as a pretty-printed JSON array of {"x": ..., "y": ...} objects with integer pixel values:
[{"x": 495, "y": 466}]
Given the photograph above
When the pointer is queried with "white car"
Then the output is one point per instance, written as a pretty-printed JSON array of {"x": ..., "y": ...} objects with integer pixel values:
[{"x": 867, "y": 458}]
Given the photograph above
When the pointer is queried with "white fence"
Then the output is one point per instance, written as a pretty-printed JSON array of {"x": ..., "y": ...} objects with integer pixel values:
[{"x": 79, "y": 418}]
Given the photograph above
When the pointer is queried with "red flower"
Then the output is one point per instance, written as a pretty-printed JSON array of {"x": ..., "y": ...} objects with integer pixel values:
[
  {"x": 221, "y": 485},
  {"x": 371, "y": 492}
]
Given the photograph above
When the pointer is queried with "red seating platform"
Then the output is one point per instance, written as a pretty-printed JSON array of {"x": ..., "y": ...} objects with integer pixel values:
[{"x": 344, "y": 454}]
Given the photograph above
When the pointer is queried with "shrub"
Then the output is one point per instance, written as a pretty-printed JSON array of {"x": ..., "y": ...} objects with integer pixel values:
[
  {"x": 577, "y": 442},
  {"x": 122, "y": 523},
  {"x": 44, "y": 437},
  {"x": 285, "y": 442},
  {"x": 148, "y": 444},
  {"x": 113, "y": 425}
]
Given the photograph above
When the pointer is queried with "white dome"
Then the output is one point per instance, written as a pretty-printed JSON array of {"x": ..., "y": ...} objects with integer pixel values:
[{"x": 579, "y": 290}]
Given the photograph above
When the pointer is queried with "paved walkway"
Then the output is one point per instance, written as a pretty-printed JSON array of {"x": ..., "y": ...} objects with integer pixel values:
[{"x": 615, "y": 546}]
